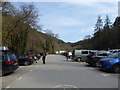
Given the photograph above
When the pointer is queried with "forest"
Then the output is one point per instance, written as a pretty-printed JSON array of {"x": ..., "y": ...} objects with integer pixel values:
[
  {"x": 106, "y": 36},
  {"x": 22, "y": 33}
]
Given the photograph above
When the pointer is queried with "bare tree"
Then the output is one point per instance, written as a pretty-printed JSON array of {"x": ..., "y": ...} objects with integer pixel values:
[{"x": 87, "y": 37}]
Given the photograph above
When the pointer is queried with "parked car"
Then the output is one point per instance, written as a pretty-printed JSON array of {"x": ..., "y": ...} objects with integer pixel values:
[
  {"x": 25, "y": 60},
  {"x": 93, "y": 58},
  {"x": 9, "y": 62},
  {"x": 114, "y": 50},
  {"x": 80, "y": 55},
  {"x": 112, "y": 62}
]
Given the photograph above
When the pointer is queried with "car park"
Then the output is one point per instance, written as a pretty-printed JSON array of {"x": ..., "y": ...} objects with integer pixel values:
[
  {"x": 25, "y": 60},
  {"x": 9, "y": 61},
  {"x": 93, "y": 58},
  {"x": 112, "y": 62}
]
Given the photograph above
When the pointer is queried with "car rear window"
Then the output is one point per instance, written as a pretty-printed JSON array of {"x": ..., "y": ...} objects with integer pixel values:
[
  {"x": 5, "y": 57},
  {"x": 103, "y": 54},
  {"x": 12, "y": 57}
]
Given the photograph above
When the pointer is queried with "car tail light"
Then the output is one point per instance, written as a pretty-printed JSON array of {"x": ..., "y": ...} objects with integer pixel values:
[
  {"x": 9, "y": 62},
  {"x": 30, "y": 58},
  {"x": 92, "y": 57},
  {"x": 38, "y": 54}
]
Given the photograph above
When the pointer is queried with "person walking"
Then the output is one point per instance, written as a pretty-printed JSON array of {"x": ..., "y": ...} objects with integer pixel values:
[
  {"x": 67, "y": 55},
  {"x": 44, "y": 57}
]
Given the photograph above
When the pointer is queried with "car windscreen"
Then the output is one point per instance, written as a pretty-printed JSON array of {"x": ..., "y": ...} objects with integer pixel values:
[{"x": 114, "y": 55}]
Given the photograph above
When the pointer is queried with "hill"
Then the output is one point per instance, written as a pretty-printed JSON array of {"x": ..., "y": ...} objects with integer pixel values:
[
  {"x": 106, "y": 38},
  {"x": 21, "y": 33}
]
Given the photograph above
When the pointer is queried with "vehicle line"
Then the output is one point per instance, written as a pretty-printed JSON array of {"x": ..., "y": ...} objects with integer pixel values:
[
  {"x": 65, "y": 86},
  {"x": 92, "y": 68},
  {"x": 19, "y": 78},
  {"x": 7, "y": 87},
  {"x": 31, "y": 70},
  {"x": 70, "y": 86},
  {"x": 57, "y": 86},
  {"x": 106, "y": 75}
]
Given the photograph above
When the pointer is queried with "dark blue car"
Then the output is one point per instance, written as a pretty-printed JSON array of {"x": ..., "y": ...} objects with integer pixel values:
[
  {"x": 9, "y": 62},
  {"x": 112, "y": 62}
]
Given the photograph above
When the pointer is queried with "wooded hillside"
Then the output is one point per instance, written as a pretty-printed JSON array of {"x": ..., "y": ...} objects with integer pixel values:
[
  {"x": 20, "y": 31},
  {"x": 106, "y": 36}
]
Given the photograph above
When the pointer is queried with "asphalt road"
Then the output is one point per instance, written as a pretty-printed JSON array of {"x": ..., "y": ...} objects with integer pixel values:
[{"x": 59, "y": 73}]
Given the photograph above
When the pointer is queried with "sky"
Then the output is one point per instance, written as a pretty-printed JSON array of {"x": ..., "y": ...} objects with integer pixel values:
[{"x": 74, "y": 20}]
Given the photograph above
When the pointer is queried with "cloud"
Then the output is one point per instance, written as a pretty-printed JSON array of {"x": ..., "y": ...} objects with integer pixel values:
[
  {"x": 88, "y": 30},
  {"x": 103, "y": 7},
  {"x": 73, "y": 20},
  {"x": 62, "y": 21}
]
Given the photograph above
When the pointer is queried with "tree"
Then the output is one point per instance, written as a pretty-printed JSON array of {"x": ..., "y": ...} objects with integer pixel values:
[
  {"x": 51, "y": 33},
  {"x": 17, "y": 27},
  {"x": 98, "y": 25},
  {"x": 7, "y": 8},
  {"x": 87, "y": 37},
  {"x": 107, "y": 22}
]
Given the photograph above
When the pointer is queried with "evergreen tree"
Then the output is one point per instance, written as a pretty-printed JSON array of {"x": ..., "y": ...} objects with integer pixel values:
[
  {"x": 107, "y": 22},
  {"x": 98, "y": 25}
]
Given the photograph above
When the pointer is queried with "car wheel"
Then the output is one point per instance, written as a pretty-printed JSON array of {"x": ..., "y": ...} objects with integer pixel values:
[
  {"x": 116, "y": 68},
  {"x": 78, "y": 59},
  {"x": 95, "y": 64},
  {"x": 90, "y": 64},
  {"x": 26, "y": 63}
]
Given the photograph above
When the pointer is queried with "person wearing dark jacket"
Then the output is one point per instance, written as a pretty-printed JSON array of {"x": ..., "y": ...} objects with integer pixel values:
[
  {"x": 67, "y": 55},
  {"x": 44, "y": 57}
]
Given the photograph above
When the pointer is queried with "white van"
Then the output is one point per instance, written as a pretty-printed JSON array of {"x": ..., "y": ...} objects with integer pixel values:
[{"x": 80, "y": 55}]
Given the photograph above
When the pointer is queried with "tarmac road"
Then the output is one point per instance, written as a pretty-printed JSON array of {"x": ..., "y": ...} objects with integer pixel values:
[{"x": 59, "y": 73}]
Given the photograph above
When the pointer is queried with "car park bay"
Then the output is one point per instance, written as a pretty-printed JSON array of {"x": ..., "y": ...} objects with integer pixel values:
[{"x": 59, "y": 73}]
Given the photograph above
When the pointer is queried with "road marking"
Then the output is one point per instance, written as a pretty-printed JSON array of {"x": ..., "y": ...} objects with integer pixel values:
[
  {"x": 65, "y": 86},
  {"x": 8, "y": 87},
  {"x": 105, "y": 74},
  {"x": 31, "y": 70},
  {"x": 19, "y": 78},
  {"x": 70, "y": 86},
  {"x": 92, "y": 68},
  {"x": 58, "y": 86}
]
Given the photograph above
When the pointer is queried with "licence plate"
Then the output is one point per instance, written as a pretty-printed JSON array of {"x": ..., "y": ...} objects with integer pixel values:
[{"x": 15, "y": 63}]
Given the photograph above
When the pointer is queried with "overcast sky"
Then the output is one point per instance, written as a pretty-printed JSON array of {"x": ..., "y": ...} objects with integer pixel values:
[{"x": 74, "y": 20}]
